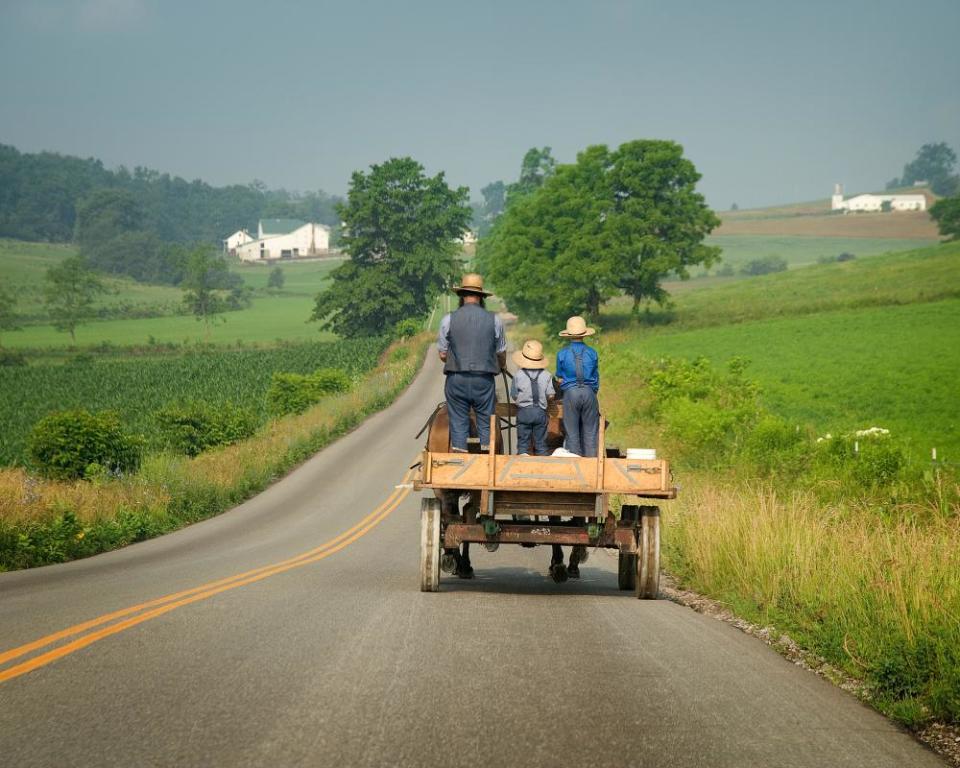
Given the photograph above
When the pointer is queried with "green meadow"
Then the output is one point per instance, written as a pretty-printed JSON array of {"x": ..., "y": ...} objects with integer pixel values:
[
  {"x": 920, "y": 275},
  {"x": 833, "y": 346},
  {"x": 23, "y": 266},
  {"x": 274, "y": 314},
  {"x": 800, "y": 251},
  {"x": 844, "y": 544},
  {"x": 893, "y": 367}
]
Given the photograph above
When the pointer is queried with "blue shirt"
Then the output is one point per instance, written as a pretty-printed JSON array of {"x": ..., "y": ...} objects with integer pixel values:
[{"x": 567, "y": 366}]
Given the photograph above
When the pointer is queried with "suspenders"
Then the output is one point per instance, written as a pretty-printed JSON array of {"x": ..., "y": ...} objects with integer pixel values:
[
  {"x": 534, "y": 386},
  {"x": 578, "y": 363}
]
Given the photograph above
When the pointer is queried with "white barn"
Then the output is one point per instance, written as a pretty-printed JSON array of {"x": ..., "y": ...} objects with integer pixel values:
[
  {"x": 875, "y": 203},
  {"x": 235, "y": 240},
  {"x": 285, "y": 239}
]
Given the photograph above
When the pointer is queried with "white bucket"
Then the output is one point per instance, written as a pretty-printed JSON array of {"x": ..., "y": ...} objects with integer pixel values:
[{"x": 642, "y": 454}]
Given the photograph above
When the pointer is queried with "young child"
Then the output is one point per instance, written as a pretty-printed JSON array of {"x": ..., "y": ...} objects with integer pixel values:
[
  {"x": 531, "y": 389},
  {"x": 579, "y": 373}
]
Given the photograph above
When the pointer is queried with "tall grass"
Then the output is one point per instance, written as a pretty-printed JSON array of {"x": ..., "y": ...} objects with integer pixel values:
[
  {"x": 45, "y": 522},
  {"x": 877, "y": 596}
]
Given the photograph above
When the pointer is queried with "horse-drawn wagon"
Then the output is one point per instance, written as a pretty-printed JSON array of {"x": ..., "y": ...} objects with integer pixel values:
[{"x": 496, "y": 498}]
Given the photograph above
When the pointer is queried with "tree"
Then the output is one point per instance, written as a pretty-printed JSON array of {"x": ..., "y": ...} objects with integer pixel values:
[
  {"x": 70, "y": 292},
  {"x": 934, "y": 164},
  {"x": 946, "y": 213},
  {"x": 538, "y": 165},
  {"x": 9, "y": 321},
  {"x": 494, "y": 200},
  {"x": 615, "y": 221},
  {"x": 401, "y": 231},
  {"x": 276, "y": 279},
  {"x": 206, "y": 273}
]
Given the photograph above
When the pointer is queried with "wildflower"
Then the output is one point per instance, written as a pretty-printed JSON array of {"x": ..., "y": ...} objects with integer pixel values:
[
  {"x": 80, "y": 536},
  {"x": 872, "y": 432}
]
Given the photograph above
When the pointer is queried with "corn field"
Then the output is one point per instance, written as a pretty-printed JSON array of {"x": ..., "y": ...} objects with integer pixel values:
[{"x": 137, "y": 388}]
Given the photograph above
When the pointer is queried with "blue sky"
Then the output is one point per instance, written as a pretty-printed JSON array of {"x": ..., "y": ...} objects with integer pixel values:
[{"x": 773, "y": 101}]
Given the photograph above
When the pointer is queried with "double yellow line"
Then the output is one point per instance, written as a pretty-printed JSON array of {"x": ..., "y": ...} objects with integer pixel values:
[{"x": 138, "y": 614}]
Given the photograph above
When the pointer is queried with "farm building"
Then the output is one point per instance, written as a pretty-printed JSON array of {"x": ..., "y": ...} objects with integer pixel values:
[
  {"x": 285, "y": 239},
  {"x": 873, "y": 203},
  {"x": 235, "y": 240}
]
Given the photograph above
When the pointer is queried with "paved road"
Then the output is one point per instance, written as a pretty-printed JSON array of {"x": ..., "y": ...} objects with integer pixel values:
[{"x": 335, "y": 658}]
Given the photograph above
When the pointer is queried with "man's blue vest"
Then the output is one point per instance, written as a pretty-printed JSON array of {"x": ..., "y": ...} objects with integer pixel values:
[{"x": 473, "y": 342}]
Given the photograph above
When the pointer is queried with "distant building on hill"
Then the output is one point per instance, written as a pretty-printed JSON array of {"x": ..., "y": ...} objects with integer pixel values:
[
  {"x": 235, "y": 240},
  {"x": 875, "y": 203},
  {"x": 279, "y": 239}
]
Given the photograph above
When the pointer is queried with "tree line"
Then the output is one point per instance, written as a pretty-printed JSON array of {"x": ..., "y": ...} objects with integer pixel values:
[{"x": 40, "y": 194}]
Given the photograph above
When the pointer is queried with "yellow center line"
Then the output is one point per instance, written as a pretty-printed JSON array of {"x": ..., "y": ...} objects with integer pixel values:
[{"x": 170, "y": 602}]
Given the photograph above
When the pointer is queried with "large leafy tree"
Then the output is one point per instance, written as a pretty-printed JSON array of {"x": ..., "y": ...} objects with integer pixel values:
[
  {"x": 9, "y": 320},
  {"x": 70, "y": 292},
  {"x": 400, "y": 231},
  {"x": 537, "y": 166},
  {"x": 614, "y": 221},
  {"x": 206, "y": 275},
  {"x": 946, "y": 213},
  {"x": 934, "y": 164}
]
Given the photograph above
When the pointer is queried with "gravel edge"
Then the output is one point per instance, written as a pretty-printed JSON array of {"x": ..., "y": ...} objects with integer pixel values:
[{"x": 942, "y": 738}]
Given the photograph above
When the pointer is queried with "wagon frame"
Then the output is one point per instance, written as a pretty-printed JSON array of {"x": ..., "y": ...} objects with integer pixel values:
[{"x": 535, "y": 500}]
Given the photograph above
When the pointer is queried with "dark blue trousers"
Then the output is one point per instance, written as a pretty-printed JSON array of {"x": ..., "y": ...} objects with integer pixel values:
[
  {"x": 463, "y": 392},
  {"x": 532, "y": 425},
  {"x": 581, "y": 420}
]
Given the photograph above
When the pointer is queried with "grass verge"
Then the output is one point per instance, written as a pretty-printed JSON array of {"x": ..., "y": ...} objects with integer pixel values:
[{"x": 43, "y": 522}]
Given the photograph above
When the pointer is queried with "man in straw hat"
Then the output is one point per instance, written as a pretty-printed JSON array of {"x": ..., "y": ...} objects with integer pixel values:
[
  {"x": 473, "y": 349},
  {"x": 531, "y": 389},
  {"x": 579, "y": 374}
]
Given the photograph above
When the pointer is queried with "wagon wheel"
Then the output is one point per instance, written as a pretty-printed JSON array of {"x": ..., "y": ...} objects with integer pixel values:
[
  {"x": 648, "y": 556},
  {"x": 627, "y": 571},
  {"x": 430, "y": 545},
  {"x": 627, "y": 561}
]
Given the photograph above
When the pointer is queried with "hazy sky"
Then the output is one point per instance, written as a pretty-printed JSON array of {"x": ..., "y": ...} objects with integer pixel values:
[{"x": 773, "y": 101}]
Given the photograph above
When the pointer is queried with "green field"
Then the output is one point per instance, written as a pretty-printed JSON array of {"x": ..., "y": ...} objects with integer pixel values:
[
  {"x": 274, "y": 315},
  {"x": 23, "y": 266},
  {"x": 137, "y": 388},
  {"x": 836, "y": 346},
  {"x": 924, "y": 274},
  {"x": 802, "y": 251},
  {"x": 893, "y": 367}
]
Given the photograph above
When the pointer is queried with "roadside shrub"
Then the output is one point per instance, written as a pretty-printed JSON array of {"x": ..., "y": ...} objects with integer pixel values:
[
  {"x": 871, "y": 457},
  {"x": 408, "y": 327},
  {"x": 63, "y": 445},
  {"x": 846, "y": 256},
  {"x": 765, "y": 265},
  {"x": 295, "y": 392},
  {"x": 699, "y": 427},
  {"x": 11, "y": 359},
  {"x": 726, "y": 271},
  {"x": 703, "y": 409},
  {"x": 774, "y": 446},
  {"x": 193, "y": 427}
]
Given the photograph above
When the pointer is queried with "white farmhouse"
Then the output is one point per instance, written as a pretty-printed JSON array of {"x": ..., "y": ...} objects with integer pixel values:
[
  {"x": 874, "y": 203},
  {"x": 285, "y": 239},
  {"x": 235, "y": 240}
]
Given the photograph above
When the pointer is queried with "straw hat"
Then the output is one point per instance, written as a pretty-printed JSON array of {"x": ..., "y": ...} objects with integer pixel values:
[
  {"x": 471, "y": 283},
  {"x": 577, "y": 328},
  {"x": 531, "y": 356}
]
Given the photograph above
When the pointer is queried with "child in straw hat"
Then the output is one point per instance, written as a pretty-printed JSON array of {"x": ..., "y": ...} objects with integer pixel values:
[
  {"x": 579, "y": 373},
  {"x": 531, "y": 389}
]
